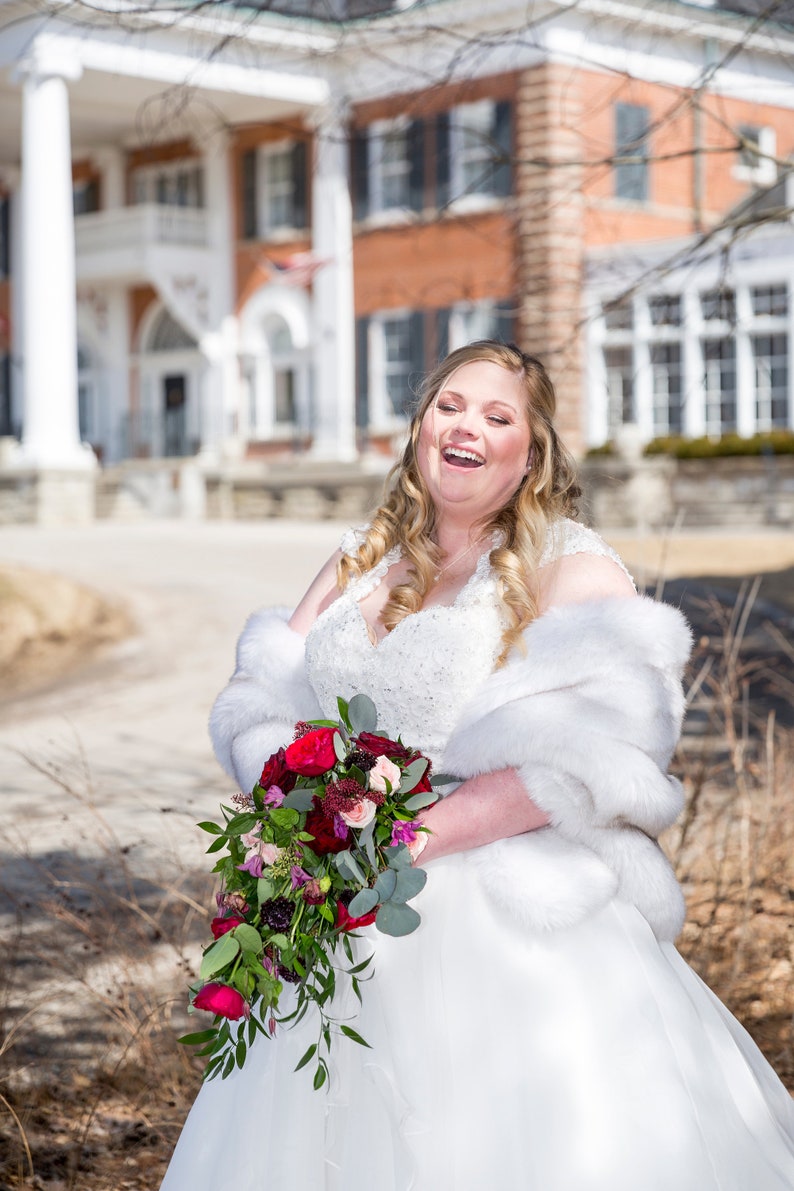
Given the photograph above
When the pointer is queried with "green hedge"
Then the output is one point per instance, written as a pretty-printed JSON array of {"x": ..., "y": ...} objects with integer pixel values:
[{"x": 773, "y": 442}]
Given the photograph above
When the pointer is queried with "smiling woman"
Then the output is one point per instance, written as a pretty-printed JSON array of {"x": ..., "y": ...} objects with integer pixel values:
[{"x": 538, "y": 1029}]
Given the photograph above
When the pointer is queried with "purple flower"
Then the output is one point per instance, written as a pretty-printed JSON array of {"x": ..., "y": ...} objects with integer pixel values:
[
  {"x": 299, "y": 876},
  {"x": 340, "y": 827},
  {"x": 404, "y": 833},
  {"x": 253, "y": 865},
  {"x": 274, "y": 797}
]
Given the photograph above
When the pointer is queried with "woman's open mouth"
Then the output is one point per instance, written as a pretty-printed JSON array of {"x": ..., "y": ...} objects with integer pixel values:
[{"x": 461, "y": 457}]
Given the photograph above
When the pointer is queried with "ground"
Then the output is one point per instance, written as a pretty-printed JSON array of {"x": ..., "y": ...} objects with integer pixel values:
[{"x": 106, "y": 767}]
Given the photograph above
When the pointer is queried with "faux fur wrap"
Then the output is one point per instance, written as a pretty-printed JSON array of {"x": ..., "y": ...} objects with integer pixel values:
[{"x": 589, "y": 715}]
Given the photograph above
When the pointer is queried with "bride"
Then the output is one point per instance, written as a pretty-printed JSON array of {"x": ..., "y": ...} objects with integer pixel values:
[{"x": 539, "y": 1030}]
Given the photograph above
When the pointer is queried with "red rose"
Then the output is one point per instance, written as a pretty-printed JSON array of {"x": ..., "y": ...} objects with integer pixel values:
[
  {"x": 276, "y": 773},
  {"x": 381, "y": 746},
  {"x": 312, "y": 754},
  {"x": 220, "y": 926},
  {"x": 345, "y": 921},
  {"x": 325, "y": 839},
  {"x": 221, "y": 999}
]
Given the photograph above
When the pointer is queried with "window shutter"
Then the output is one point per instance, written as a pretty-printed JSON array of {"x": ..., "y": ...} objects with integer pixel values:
[
  {"x": 503, "y": 137},
  {"x": 359, "y": 172},
  {"x": 505, "y": 321},
  {"x": 362, "y": 373},
  {"x": 442, "y": 332},
  {"x": 416, "y": 340},
  {"x": 299, "y": 184},
  {"x": 416, "y": 161},
  {"x": 442, "y": 159},
  {"x": 248, "y": 163},
  {"x": 5, "y": 229}
]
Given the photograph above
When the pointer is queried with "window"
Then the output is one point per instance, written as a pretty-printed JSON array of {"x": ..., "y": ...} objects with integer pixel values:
[
  {"x": 85, "y": 196},
  {"x": 719, "y": 384},
  {"x": 389, "y": 159},
  {"x": 618, "y": 316},
  {"x": 666, "y": 371},
  {"x": 390, "y": 357},
  {"x": 170, "y": 184},
  {"x": 397, "y": 364},
  {"x": 665, "y": 310},
  {"x": 632, "y": 126},
  {"x": 770, "y": 300},
  {"x": 756, "y": 152},
  {"x": 6, "y": 418},
  {"x": 473, "y": 151},
  {"x": 274, "y": 190},
  {"x": 460, "y": 324},
  {"x": 771, "y": 381},
  {"x": 619, "y": 368},
  {"x": 718, "y": 305}
]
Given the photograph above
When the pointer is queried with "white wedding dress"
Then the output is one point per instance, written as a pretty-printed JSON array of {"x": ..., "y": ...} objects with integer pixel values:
[{"x": 585, "y": 1059}]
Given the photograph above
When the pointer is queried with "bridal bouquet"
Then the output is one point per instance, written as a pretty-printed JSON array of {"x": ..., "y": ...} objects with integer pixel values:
[{"x": 318, "y": 848}]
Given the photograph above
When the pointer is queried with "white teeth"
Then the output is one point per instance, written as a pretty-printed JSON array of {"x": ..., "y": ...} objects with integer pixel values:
[{"x": 460, "y": 453}]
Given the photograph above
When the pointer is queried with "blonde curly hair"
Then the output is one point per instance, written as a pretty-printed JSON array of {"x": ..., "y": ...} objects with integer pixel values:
[{"x": 407, "y": 516}]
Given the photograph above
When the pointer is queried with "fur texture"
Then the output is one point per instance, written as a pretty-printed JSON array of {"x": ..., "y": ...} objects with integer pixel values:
[
  {"x": 267, "y": 694},
  {"x": 589, "y": 716}
]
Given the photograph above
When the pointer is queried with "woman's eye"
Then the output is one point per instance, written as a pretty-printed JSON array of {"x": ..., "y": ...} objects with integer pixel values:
[
  {"x": 447, "y": 409},
  {"x": 499, "y": 421}
]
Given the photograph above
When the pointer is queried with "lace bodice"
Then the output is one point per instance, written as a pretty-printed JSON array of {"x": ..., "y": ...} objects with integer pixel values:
[{"x": 424, "y": 672}]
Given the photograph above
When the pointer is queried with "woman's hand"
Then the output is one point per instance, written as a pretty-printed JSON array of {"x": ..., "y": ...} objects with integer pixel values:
[{"x": 482, "y": 809}]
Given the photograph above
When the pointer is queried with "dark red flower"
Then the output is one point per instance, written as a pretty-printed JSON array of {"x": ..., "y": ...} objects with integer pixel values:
[
  {"x": 276, "y": 772},
  {"x": 312, "y": 754},
  {"x": 221, "y": 999},
  {"x": 325, "y": 839},
  {"x": 382, "y": 746},
  {"x": 346, "y": 921},
  {"x": 220, "y": 926}
]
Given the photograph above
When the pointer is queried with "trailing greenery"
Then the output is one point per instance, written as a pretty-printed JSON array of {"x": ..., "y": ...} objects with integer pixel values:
[{"x": 772, "y": 442}]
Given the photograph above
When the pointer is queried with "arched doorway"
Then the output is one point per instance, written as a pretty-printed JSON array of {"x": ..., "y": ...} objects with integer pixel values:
[
  {"x": 169, "y": 415},
  {"x": 275, "y": 367}
]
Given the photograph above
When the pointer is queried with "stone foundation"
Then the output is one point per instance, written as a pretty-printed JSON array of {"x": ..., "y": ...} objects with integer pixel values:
[{"x": 46, "y": 496}]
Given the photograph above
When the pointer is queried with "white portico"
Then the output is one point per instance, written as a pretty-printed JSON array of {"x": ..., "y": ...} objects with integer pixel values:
[{"x": 78, "y": 355}]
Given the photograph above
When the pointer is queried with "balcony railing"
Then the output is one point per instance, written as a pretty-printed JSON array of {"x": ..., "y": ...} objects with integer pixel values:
[{"x": 140, "y": 227}]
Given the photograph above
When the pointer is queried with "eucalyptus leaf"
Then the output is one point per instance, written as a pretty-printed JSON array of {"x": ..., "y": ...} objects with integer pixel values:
[
  {"x": 443, "y": 779},
  {"x": 339, "y": 747},
  {"x": 423, "y": 798},
  {"x": 397, "y": 920},
  {"x": 412, "y": 774},
  {"x": 363, "y": 902},
  {"x": 299, "y": 800},
  {"x": 265, "y": 889},
  {"x": 363, "y": 714},
  {"x": 219, "y": 955},
  {"x": 410, "y": 881},
  {"x": 366, "y": 841},
  {"x": 398, "y": 857},
  {"x": 248, "y": 937},
  {"x": 385, "y": 884},
  {"x": 348, "y": 866}
]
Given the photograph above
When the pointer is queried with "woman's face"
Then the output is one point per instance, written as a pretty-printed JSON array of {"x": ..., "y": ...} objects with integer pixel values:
[{"x": 474, "y": 440}]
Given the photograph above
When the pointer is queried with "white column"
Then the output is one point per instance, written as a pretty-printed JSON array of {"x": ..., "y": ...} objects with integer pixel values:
[
  {"x": 222, "y": 385},
  {"x": 334, "y": 320},
  {"x": 50, "y": 436}
]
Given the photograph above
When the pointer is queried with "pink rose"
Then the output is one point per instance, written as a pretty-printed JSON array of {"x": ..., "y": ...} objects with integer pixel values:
[
  {"x": 269, "y": 853},
  {"x": 361, "y": 813},
  {"x": 222, "y": 1000},
  {"x": 384, "y": 771}
]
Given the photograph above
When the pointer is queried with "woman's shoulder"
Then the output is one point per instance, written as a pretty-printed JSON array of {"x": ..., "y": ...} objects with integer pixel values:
[
  {"x": 577, "y": 565},
  {"x": 567, "y": 538}
]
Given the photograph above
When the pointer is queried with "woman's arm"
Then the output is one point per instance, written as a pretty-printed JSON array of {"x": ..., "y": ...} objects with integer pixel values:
[
  {"x": 481, "y": 810},
  {"x": 322, "y": 592},
  {"x": 498, "y": 805}
]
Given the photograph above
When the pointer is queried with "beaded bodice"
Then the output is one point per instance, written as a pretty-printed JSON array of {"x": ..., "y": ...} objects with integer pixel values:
[{"x": 422, "y": 674}]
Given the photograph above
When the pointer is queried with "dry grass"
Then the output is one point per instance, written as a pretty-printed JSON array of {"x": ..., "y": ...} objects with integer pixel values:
[{"x": 95, "y": 956}]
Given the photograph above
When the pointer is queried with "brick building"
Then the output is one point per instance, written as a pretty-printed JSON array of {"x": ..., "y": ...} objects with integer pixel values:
[{"x": 274, "y": 221}]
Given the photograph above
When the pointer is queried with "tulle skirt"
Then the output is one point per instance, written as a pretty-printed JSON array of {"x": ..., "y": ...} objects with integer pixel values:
[{"x": 586, "y": 1059}]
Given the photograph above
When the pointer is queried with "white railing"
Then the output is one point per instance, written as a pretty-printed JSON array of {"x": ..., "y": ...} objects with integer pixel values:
[{"x": 140, "y": 227}]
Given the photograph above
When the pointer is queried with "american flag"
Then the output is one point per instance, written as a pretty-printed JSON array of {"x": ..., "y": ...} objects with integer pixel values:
[{"x": 297, "y": 269}]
